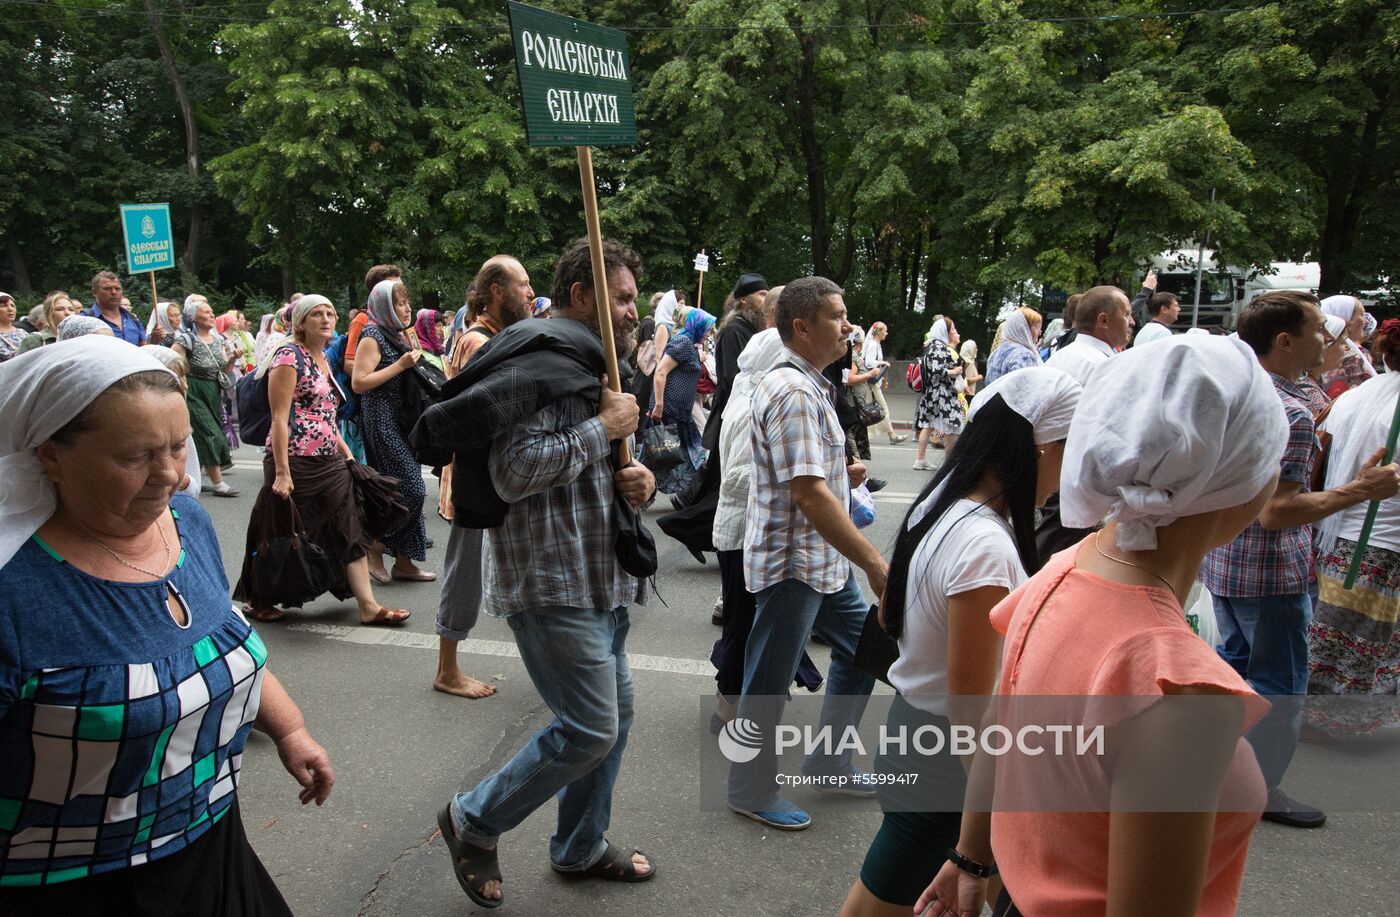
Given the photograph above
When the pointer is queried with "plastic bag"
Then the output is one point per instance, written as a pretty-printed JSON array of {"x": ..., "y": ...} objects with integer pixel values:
[
  {"x": 862, "y": 506},
  {"x": 662, "y": 449},
  {"x": 1201, "y": 617}
]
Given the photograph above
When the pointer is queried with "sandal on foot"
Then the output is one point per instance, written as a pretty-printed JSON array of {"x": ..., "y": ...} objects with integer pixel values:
[
  {"x": 264, "y": 615},
  {"x": 615, "y": 865},
  {"x": 472, "y": 865},
  {"x": 387, "y": 617}
]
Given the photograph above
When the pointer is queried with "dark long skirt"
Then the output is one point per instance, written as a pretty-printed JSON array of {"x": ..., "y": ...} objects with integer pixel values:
[
  {"x": 727, "y": 655},
  {"x": 205, "y": 402},
  {"x": 324, "y": 494},
  {"x": 218, "y": 875}
]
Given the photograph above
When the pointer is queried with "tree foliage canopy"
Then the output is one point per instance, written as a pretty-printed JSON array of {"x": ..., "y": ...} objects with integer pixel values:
[{"x": 929, "y": 155}]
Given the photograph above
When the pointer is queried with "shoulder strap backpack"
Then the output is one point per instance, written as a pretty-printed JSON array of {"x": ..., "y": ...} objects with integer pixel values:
[
  {"x": 254, "y": 408},
  {"x": 914, "y": 376}
]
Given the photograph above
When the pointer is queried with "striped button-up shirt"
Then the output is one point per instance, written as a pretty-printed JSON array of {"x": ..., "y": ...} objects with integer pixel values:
[
  {"x": 795, "y": 434},
  {"x": 1263, "y": 562},
  {"x": 556, "y": 546}
]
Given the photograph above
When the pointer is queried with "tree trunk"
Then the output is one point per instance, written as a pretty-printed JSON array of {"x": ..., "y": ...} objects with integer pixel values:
[
  {"x": 811, "y": 150},
  {"x": 1345, "y": 194},
  {"x": 911, "y": 295},
  {"x": 18, "y": 268},
  {"x": 182, "y": 96}
]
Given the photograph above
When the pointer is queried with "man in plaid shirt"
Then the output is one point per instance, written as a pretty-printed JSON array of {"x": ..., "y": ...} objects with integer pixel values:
[
  {"x": 1260, "y": 580},
  {"x": 797, "y": 540},
  {"x": 551, "y": 568}
]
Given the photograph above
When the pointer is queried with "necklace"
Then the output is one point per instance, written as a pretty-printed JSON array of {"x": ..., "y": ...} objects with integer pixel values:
[
  {"x": 126, "y": 563},
  {"x": 1128, "y": 563}
]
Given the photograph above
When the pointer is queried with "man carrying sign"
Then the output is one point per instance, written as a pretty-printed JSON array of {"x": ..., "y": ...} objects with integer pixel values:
[{"x": 551, "y": 568}]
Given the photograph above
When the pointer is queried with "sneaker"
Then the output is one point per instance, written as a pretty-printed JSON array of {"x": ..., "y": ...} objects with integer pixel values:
[
  {"x": 921, "y": 465},
  {"x": 784, "y": 816},
  {"x": 898, "y": 438},
  {"x": 717, "y": 614},
  {"x": 875, "y": 485},
  {"x": 858, "y": 784},
  {"x": 1282, "y": 810},
  {"x": 222, "y": 489}
]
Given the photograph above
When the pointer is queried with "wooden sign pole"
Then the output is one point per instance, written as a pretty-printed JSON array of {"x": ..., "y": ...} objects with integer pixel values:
[
  {"x": 154, "y": 298},
  {"x": 600, "y": 283},
  {"x": 700, "y": 288}
]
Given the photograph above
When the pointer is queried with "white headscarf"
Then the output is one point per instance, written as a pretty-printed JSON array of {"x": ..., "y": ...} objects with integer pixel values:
[
  {"x": 968, "y": 350},
  {"x": 1045, "y": 396},
  {"x": 1344, "y": 307},
  {"x": 939, "y": 331},
  {"x": 300, "y": 311},
  {"x": 1336, "y": 327},
  {"x": 160, "y": 315},
  {"x": 192, "y": 304},
  {"x": 1186, "y": 426},
  {"x": 763, "y": 351},
  {"x": 1359, "y": 422},
  {"x": 1018, "y": 331},
  {"x": 40, "y": 392}
]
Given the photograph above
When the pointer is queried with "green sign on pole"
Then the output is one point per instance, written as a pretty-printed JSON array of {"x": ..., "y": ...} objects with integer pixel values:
[
  {"x": 150, "y": 244},
  {"x": 575, "y": 80}
]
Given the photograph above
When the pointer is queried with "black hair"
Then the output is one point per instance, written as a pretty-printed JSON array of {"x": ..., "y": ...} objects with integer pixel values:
[{"x": 1000, "y": 441}]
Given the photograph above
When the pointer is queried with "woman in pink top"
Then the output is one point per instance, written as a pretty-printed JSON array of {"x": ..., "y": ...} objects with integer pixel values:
[{"x": 1178, "y": 447}]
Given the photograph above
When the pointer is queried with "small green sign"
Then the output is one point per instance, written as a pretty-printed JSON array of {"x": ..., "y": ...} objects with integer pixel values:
[
  {"x": 150, "y": 244},
  {"x": 575, "y": 80}
]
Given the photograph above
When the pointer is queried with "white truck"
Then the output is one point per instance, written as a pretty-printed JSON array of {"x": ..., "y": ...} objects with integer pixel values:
[{"x": 1225, "y": 289}]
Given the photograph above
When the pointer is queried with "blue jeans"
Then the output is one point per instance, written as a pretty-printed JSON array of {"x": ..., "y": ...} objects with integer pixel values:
[
  {"x": 1266, "y": 641},
  {"x": 787, "y": 614},
  {"x": 577, "y": 659}
]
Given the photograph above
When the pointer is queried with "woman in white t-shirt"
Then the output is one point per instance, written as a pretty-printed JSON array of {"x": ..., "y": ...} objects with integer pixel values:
[{"x": 968, "y": 541}]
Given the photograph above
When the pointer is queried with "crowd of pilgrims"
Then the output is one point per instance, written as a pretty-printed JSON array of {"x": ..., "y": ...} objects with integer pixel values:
[{"x": 1094, "y": 483}]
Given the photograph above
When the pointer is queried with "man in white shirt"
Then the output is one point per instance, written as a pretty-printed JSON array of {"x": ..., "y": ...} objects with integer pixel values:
[
  {"x": 1164, "y": 308},
  {"x": 1104, "y": 320}
]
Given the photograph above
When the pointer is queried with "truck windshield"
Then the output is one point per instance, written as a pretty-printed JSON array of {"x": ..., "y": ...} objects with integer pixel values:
[{"x": 1216, "y": 289}]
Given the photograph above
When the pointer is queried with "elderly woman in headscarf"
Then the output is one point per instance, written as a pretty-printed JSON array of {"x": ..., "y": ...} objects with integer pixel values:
[
  {"x": 76, "y": 326},
  {"x": 382, "y": 357},
  {"x": 939, "y": 409},
  {"x": 308, "y": 464},
  {"x": 966, "y": 543},
  {"x": 1353, "y": 638},
  {"x": 208, "y": 359},
  {"x": 126, "y": 716},
  {"x": 163, "y": 323},
  {"x": 674, "y": 389},
  {"x": 1178, "y": 450},
  {"x": 1356, "y": 366},
  {"x": 1018, "y": 348}
]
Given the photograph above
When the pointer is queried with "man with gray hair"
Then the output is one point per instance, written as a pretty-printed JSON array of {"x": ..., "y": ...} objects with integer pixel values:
[{"x": 799, "y": 544}]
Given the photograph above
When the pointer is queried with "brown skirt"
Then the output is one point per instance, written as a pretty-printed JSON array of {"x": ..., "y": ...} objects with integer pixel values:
[{"x": 324, "y": 494}]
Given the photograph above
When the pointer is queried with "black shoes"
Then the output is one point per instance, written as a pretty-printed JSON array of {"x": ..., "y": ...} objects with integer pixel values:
[
  {"x": 875, "y": 485},
  {"x": 1282, "y": 810}
]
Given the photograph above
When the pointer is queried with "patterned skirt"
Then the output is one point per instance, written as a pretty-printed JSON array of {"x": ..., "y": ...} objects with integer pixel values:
[{"x": 1353, "y": 644}]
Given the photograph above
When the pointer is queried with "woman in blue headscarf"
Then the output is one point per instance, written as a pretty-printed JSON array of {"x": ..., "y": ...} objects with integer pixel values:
[{"x": 674, "y": 385}]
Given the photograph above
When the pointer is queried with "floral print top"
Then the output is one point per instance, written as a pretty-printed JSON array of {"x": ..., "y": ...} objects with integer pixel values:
[
  {"x": 10, "y": 341},
  {"x": 313, "y": 427}
]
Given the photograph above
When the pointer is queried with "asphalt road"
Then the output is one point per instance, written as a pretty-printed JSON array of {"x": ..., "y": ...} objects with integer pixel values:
[{"x": 400, "y": 750}]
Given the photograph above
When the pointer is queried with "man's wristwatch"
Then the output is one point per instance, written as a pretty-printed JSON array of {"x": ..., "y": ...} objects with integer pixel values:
[{"x": 970, "y": 866}]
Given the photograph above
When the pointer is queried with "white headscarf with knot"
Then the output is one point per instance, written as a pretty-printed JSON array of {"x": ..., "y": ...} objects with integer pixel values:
[
  {"x": 40, "y": 392},
  {"x": 1344, "y": 307},
  {"x": 1046, "y": 397},
  {"x": 300, "y": 311},
  {"x": 160, "y": 315},
  {"x": 1186, "y": 426}
]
